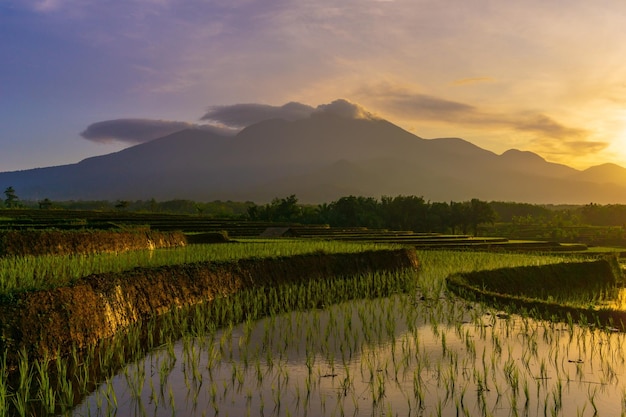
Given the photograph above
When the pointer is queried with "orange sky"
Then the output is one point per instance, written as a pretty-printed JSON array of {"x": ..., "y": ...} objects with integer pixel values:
[{"x": 547, "y": 77}]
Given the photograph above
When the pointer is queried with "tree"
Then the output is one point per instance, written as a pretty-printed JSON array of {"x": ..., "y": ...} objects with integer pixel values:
[
  {"x": 439, "y": 217},
  {"x": 286, "y": 209},
  {"x": 11, "y": 200},
  {"x": 122, "y": 204},
  {"x": 459, "y": 216},
  {"x": 45, "y": 204},
  {"x": 480, "y": 212},
  {"x": 279, "y": 210},
  {"x": 405, "y": 213},
  {"x": 354, "y": 211}
]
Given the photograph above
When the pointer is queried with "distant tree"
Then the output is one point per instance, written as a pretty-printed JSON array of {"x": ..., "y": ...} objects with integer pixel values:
[
  {"x": 323, "y": 213},
  {"x": 438, "y": 217},
  {"x": 11, "y": 199},
  {"x": 253, "y": 212},
  {"x": 153, "y": 205},
  {"x": 122, "y": 204},
  {"x": 480, "y": 212},
  {"x": 405, "y": 213},
  {"x": 45, "y": 204},
  {"x": 508, "y": 211},
  {"x": 459, "y": 216},
  {"x": 355, "y": 211},
  {"x": 279, "y": 210},
  {"x": 286, "y": 209}
]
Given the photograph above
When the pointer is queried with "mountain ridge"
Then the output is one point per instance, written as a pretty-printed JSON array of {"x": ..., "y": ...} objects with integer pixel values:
[{"x": 320, "y": 158}]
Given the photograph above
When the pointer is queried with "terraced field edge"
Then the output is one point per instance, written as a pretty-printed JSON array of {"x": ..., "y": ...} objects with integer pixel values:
[
  {"x": 554, "y": 291},
  {"x": 58, "y": 242},
  {"x": 99, "y": 306}
]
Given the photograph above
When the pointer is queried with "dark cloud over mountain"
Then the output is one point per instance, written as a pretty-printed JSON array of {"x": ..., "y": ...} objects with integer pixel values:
[
  {"x": 242, "y": 115},
  {"x": 135, "y": 131},
  {"x": 224, "y": 120}
]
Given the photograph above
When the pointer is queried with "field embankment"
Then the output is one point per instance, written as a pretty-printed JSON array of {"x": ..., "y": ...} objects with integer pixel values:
[
  {"x": 57, "y": 242},
  {"x": 99, "y": 306},
  {"x": 562, "y": 290}
]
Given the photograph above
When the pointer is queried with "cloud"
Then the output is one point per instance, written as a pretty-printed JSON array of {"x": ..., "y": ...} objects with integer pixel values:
[
  {"x": 568, "y": 151},
  {"x": 344, "y": 108},
  {"x": 412, "y": 105},
  {"x": 544, "y": 125},
  {"x": 135, "y": 131},
  {"x": 586, "y": 147},
  {"x": 569, "y": 147},
  {"x": 242, "y": 115},
  {"x": 421, "y": 106}
]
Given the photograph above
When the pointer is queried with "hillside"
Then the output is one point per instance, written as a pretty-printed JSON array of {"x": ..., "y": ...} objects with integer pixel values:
[{"x": 319, "y": 159}]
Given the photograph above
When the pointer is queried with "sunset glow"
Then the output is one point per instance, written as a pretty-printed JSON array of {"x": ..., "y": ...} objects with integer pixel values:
[{"x": 538, "y": 76}]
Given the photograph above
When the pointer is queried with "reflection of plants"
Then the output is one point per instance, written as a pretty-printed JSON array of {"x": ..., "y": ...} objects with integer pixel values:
[
  {"x": 437, "y": 352},
  {"x": 22, "y": 394}
]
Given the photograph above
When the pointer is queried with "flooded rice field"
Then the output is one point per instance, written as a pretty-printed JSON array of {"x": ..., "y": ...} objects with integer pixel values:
[
  {"x": 394, "y": 343},
  {"x": 421, "y": 354}
]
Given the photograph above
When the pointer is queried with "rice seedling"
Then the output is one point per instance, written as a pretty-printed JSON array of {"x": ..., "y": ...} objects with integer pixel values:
[
  {"x": 415, "y": 350},
  {"x": 21, "y": 397},
  {"x": 28, "y": 273}
]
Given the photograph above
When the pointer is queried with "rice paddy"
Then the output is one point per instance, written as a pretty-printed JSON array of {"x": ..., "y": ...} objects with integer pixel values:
[
  {"x": 376, "y": 357},
  {"x": 380, "y": 344},
  {"x": 28, "y": 273}
]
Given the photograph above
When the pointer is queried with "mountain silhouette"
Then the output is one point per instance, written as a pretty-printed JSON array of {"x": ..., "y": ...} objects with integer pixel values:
[{"x": 319, "y": 159}]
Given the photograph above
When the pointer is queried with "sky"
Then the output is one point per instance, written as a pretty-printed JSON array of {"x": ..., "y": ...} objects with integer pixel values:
[{"x": 80, "y": 78}]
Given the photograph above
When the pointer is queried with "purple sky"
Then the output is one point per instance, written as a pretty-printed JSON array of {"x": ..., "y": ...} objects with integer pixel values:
[{"x": 548, "y": 77}]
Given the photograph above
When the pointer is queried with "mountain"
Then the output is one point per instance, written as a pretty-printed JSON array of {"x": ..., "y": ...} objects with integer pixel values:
[
  {"x": 604, "y": 174},
  {"x": 320, "y": 159}
]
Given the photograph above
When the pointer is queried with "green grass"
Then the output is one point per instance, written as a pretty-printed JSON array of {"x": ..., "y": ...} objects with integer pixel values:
[
  {"x": 334, "y": 343},
  {"x": 29, "y": 273},
  {"x": 247, "y": 306}
]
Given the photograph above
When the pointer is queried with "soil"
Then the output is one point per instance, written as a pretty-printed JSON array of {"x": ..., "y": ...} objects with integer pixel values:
[
  {"x": 57, "y": 242},
  {"x": 99, "y": 306},
  {"x": 525, "y": 289}
]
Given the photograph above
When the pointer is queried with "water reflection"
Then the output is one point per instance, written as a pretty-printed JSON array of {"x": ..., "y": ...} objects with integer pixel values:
[{"x": 395, "y": 356}]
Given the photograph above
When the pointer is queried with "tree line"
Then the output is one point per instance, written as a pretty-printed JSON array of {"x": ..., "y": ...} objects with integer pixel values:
[
  {"x": 394, "y": 213},
  {"x": 398, "y": 213}
]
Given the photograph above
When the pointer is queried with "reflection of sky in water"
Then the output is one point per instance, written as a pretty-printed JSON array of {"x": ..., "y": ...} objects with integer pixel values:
[{"x": 377, "y": 357}]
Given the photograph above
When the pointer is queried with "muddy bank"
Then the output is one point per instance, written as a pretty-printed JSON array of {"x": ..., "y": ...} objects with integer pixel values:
[
  {"x": 57, "y": 242},
  {"x": 532, "y": 289},
  {"x": 99, "y": 306}
]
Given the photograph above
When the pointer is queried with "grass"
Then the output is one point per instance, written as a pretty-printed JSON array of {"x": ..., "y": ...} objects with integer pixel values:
[
  {"x": 339, "y": 335},
  {"x": 589, "y": 290},
  {"x": 418, "y": 352},
  {"x": 30, "y": 273}
]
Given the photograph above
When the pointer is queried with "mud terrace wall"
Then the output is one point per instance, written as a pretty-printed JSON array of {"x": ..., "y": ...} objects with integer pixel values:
[
  {"x": 99, "y": 306},
  {"x": 57, "y": 242},
  {"x": 528, "y": 289}
]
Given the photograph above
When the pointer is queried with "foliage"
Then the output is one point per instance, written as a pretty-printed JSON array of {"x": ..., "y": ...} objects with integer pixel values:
[
  {"x": 214, "y": 209},
  {"x": 394, "y": 213},
  {"x": 279, "y": 210},
  {"x": 607, "y": 215},
  {"x": 508, "y": 212},
  {"x": 28, "y": 273},
  {"x": 11, "y": 199},
  {"x": 45, "y": 204}
]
